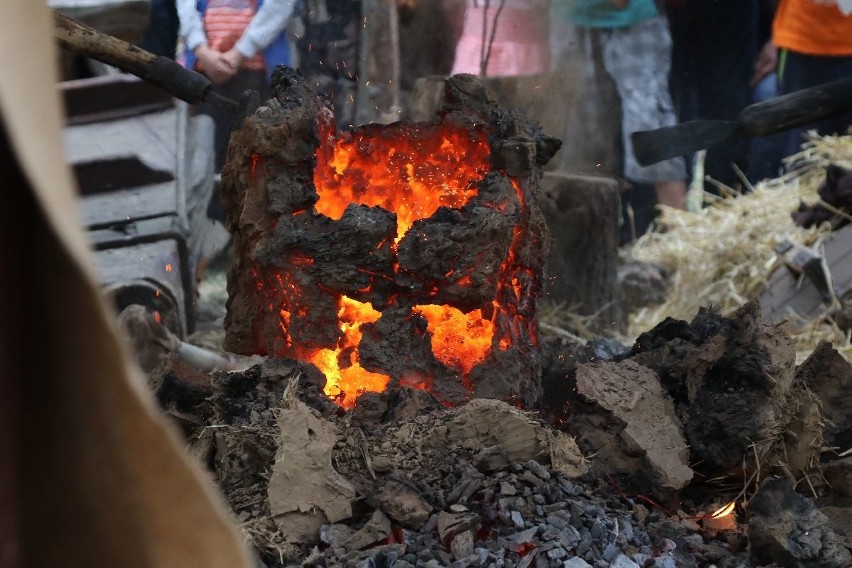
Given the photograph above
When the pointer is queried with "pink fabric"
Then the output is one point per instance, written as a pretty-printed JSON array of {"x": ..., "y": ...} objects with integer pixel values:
[
  {"x": 520, "y": 45},
  {"x": 224, "y": 24}
]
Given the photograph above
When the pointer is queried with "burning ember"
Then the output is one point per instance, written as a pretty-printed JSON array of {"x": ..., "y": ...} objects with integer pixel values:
[
  {"x": 410, "y": 170},
  {"x": 409, "y": 254},
  {"x": 724, "y": 510}
]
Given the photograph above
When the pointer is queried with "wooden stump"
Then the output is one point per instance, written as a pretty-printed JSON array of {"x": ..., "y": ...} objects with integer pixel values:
[{"x": 583, "y": 213}]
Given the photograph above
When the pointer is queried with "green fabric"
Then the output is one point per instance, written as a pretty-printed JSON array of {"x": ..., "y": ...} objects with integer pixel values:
[{"x": 601, "y": 13}]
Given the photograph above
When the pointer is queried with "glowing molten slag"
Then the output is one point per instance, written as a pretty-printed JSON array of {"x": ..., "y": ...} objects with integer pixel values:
[
  {"x": 459, "y": 340},
  {"x": 345, "y": 378},
  {"x": 408, "y": 171}
]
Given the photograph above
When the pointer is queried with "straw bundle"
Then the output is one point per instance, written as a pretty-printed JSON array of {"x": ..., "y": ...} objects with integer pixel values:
[{"x": 723, "y": 255}]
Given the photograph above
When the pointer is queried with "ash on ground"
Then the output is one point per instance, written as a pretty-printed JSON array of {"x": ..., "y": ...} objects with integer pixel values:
[{"x": 401, "y": 481}]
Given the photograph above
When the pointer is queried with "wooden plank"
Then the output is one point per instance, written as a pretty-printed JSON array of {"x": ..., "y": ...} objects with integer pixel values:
[
  {"x": 137, "y": 203},
  {"x": 786, "y": 293},
  {"x": 150, "y": 137},
  {"x": 110, "y": 97}
]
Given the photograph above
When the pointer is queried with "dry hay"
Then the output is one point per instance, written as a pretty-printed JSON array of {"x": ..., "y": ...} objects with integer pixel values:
[
  {"x": 557, "y": 319},
  {"x": 723, "y": 255}
]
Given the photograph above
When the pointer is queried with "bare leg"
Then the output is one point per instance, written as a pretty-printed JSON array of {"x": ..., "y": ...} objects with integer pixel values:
[{"x": 671, "y": 193}]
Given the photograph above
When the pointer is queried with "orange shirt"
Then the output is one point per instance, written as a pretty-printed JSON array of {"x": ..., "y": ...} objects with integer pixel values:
[{"x": 812, "y": 27}]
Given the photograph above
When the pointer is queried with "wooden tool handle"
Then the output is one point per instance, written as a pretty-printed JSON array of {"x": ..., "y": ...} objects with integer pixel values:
[
  {"x": 798, "y": 108},
  {"x": 170, "y": 76}
]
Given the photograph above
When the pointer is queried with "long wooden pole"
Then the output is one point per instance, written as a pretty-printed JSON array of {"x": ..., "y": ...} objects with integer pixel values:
[{"x": 170, "y": 76}]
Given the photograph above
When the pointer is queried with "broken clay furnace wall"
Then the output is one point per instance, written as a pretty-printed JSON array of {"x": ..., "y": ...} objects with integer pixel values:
[{"x": 304, "y": 267}]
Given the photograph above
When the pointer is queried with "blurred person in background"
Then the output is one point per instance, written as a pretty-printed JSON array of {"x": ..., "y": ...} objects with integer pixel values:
[
  {"x": 161, "y": 35},
  {"x": 237, "y": 44},
  {"x": 714, "y": 45},
  {"x": 327, "y": 34},
  {"x": 503, "y": 38},
  {"x": 811, "y": 44},
  {"x": 765, "y": 154},
  {"x": 635, "y": 46}
]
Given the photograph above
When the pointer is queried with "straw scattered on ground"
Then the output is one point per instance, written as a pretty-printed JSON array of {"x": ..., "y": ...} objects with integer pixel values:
[{"x": 723, "y": 255}]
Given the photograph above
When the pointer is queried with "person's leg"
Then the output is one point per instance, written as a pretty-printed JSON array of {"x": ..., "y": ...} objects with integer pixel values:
[
  {"x": 682, "y": 77},
  {"x": 764, "y": 161},
  {"x": 223, "y": 117},
  {"x": 161, "y": 35},
  {"x": 638, "y": 59},
  {"x": 683, "y": 67},
  {"x": 223, "y": 120},
  {"x": 671, "y": 193},
  {"x": 798, "y": 71},
  {"x": 727, "y": 48}
]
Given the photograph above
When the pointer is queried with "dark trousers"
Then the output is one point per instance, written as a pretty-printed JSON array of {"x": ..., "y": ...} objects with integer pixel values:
[
  {"x": 223, "y": 120},
  {"x": 161, "y": 35},
  {"x": 714, "y": 45},
  {"x": 222, "y": 117},
  {"x": 797, "y": 71}
]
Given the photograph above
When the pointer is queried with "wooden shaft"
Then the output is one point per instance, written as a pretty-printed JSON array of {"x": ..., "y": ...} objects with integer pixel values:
[
  {"x": 170, "y": 76},
  {"x": 77, "y": 37},
  {"x": 798, "y": 108}
]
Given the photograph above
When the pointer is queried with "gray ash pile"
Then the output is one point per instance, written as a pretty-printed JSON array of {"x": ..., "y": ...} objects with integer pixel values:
[{"x": 403, "y": 481}]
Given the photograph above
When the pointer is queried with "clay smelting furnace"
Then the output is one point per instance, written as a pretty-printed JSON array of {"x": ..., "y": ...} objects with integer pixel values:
[{"x": 403, "y": 254}]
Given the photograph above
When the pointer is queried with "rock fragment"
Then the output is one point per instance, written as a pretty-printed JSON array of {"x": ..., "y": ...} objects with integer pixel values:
[{"x": 788, "y": 529}]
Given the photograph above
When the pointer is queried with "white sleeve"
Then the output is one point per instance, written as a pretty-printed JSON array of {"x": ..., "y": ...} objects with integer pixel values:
[
  {"x": 191, "y": 25},
  {"x": 270, "y": 20}
]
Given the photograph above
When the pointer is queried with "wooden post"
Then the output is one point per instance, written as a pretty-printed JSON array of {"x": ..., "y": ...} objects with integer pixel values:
[{"x": 583, "y": 212}]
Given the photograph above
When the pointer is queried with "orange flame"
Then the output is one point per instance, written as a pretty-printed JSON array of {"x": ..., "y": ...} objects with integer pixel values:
[
  {"x": 411, "y": 173},
  {"x": 345, "y": 378},
  {"x": 459, "y": 340},
  {"x": 724, "y": 511}
]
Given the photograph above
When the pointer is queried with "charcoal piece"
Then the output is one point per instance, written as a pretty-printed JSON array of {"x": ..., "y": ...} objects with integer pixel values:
[
  {"x": 455, "y": 257},
  {"x": 732, "y": 381},
  {"x": 370, "y": 409},
  {"x": 398, "y": 343},
  {"x": 828, "y": 375},
  {"x": 289, "y": 189},
  {"x": 787, "y": 528},
  {"x": 665, "y": 331},
  {"x": 492, "y": 458},
  {"x": 184, "y": 390},
  {"x": 377, "y": 529},
  {"x": 739, "y": 390},
  {"x": 836, "y": 192},
  {"x": 403, "y": 504}
]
